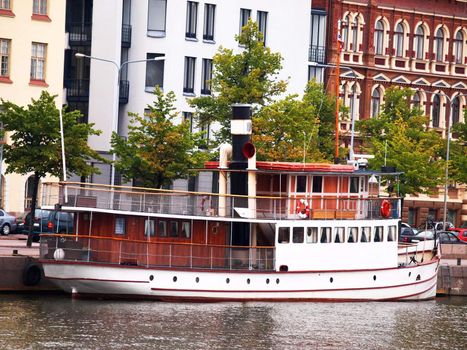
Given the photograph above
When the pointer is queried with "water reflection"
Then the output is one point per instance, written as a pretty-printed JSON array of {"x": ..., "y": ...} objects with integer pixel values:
[{"x": 51, "y": 322}]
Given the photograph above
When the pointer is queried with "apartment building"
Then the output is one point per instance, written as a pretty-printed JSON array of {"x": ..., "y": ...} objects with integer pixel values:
[
  {"x": 31, "y": 60},
  {"x": 420, "y": 44}
]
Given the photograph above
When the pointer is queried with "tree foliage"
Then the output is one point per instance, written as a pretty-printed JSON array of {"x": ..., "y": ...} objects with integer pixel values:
[
  {"x": 157, "y": 151},
  {"x": 458, "y": 153},
  {"x": 398, "y": 137},
  {"x": 248, "y": 77},
  {"x": 35, "y": 145}
]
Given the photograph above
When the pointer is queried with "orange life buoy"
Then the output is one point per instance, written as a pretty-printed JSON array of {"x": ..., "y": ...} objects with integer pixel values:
[
  {"x": 385, "y": 208},
  {"x": 303, "y": 209}
]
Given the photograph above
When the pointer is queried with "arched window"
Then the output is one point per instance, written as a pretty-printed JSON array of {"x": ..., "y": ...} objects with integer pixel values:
[
  {"x": 435, "y": 109},
  {"x": 379, "y": 34},
  {"x": 355, "y": 27},
  {"x": 419, "y": 42},
  {"x": 455, "y": 110},
  {"x": 416, "y": 100},
  {"x": 345, "y": 31},
  {"x": 399, "y": 40},
  {"x": 375, "y": 102},
  {"x": 439, "y": 44},
  {"x": 458, "y": 47},
  {"x": 28, "y": 192}
]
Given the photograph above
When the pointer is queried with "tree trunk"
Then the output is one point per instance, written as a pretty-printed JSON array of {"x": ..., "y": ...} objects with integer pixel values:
[{"x": 33, "y": 208}]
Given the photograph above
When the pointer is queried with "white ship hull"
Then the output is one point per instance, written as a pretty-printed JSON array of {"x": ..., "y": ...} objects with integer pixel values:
[{"x": 417, "y": 282}]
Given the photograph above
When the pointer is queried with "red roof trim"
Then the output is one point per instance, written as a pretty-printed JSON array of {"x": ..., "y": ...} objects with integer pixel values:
[{"x": 291, "y": 166}]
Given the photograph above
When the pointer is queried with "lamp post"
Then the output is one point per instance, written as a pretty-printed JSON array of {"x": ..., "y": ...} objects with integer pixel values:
[{"x": 116, "y": 105}]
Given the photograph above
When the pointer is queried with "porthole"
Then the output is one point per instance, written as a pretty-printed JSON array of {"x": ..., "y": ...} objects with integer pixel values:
[
  {"x": 277, "y": 281},
  {"x": 374, "y": 277},
  {"x": 151, "y": 278},
  {"x": 248, "y": 280},
  {"x": 197, "y": 279},
  {"x": 331, "y": 280},
  {"x": 267, "y": 280},
  {"x": 227, "y": 280},
  {"x": 175, "y": 278}
]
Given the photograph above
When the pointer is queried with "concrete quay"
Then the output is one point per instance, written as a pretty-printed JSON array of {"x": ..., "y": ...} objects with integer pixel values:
[{"x": 452, "y": 273}]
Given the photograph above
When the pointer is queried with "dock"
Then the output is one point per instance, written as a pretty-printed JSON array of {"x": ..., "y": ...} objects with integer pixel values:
[{"x": 452, "y": 273}]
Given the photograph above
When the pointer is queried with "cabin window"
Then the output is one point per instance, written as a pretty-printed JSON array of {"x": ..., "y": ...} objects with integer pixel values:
[
  {"x": 186, "y": 229},
  {"x": 173, "y": 230},
  {"x": 301, "y": 184},
  {"x": 353, "y": 185},
  {"x": 297, "y": 234},
  {"x": 339, "y": 235},
  {"x": 391, "y": 233},
  {"x": 353, "y": 235},
  {"x": 366, "y": 234},
  {"x": 120, "y": 225},
  {"x": 162, "y": 228},
  {"x": 325, "y": 235},
  {"x": 317, "y": 184},
  {"x": 149, "y": 228},
  {"x": 284, "y": 235},
  {"x": 378, "y": 234},
  {"x": 312, "y": 235}
]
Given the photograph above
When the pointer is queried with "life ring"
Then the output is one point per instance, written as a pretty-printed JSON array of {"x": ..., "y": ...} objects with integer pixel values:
[
  {"x": 385, "y": 208},
  {"x": 32, "y": 274},
  {"x": 303, "y": 208}
]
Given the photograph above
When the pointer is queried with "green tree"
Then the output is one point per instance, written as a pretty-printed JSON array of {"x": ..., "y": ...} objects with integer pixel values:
[
  {"x": 458, "y": 153},
  {"x": 247, "y": 77},
  {"x": 157, "y": 151},
  {"x": 398, "y": 137},
  {"x": 35, "y": 145},
  {"x": 296, "y": 130}
]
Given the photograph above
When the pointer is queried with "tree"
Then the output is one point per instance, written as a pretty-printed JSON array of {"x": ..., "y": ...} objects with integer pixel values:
[
  {"x": 398, "y": 137},
  {"x": 247, "y": 77},
  {"x": 296, "y": 130},
  {"x": 157, "y": 151},
  {"x": 35, "y": 142},
  {"x": 458, "y": 153}
]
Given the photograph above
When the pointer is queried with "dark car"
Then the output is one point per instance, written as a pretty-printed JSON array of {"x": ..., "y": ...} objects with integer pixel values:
[
  {"x": 45, "y": 221},
  {"x": 407, "y": 233},
  {"x": 448, "y": 237}
]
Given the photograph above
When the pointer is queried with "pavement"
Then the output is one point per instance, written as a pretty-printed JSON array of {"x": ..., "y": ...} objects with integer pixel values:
[{"x": 15, "y": 244}]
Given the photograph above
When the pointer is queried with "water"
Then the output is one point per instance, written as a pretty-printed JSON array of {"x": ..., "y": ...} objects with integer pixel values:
[{"x": 59, "y": 322}]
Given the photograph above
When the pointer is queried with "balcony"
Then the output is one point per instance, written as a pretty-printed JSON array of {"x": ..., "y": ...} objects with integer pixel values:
[
  {"x": 126, "y": 35},
  {"x": 124, "y": 91},
  {"x": 79, "y": 34},
  {"x": 77, "y": 90},
  {"x": 317, "y": 54}
]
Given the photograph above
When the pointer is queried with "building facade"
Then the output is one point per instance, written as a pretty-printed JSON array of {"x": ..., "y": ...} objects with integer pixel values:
[
  {"x": 417, "y": 44},
  {"x": 31, "y": 60}
]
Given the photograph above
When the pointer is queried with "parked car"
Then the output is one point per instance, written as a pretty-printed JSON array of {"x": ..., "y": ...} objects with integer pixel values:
[
  {"x": 461, "y": 233},
  {"x": 45, "y": 221},
  {"x": 7, "y": 222},
  {"x": 407, "y": 233},
  {"x": 446, "y": 237},
  {"x": 424, "y": 235}
]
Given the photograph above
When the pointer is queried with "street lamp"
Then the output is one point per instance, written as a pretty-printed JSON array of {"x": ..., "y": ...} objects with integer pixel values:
[{"x": 115, "y": 117}]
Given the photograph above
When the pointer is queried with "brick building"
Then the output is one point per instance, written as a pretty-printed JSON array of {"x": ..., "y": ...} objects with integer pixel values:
[{"x": 421, "y": 44}]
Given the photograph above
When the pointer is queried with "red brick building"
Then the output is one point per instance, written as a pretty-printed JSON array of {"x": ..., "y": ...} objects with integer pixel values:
[{"x": 420, "y": 44}]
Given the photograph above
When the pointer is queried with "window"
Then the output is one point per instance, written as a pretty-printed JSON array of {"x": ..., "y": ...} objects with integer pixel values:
[
  {"x": 245, "y": 15},
  {"x": 38, "y": 61},
  {"x": 188, "y": 116},
  {"x": 312, "y": 235},
  {"x": 316, "y": 73},
  {"x": 416, "y": 100},
  {"x": 378, "y": 234},
  {"x": 412, "y": 215},
  {"x": 419, "y": 45},
  {"x": 209, "y": 14},
  {"x": 455, "y": 110},
  {"x": 353, "y": 235},
  {"x": 4, "y": 58},
  {"x": 375, "y": 102},
  {"x": 297, "y": 234},
  {"x": 191, "y": 19},
  {"x": 149, "y": 228},
  {"x": 317, "y": 186},
  {"x": 189, "y": 79},
  {"x": 354, "y": 184},
  {"x": 439, "y": 44},
  {"x": 435, "y": 109},
  {"x": 339, "y": 235},
  {"x": 366, "y": 235},
  {"x": 154, "y": 72},
  {"x": 162, "y": 228},
  {"x": 399, "y": 40},
  {"x": 156, "y": 18},
  {"x": 379, "y": 35},
  {"x": 186, "y": 229},
  {"x": 261, "y": 19},
  {"x": 458, "y": 47},
  {"x": 206, "y": 77},
  {"x": 345, "y": 32},
  {"x": 173, "y": 228},
  {"x": 325, "y": 235},
  {"x": 120, "y": 226},
  {"x": 355, "y": 27},
  {"x": 318, "y": 37},
  {"x": 39, "y": 7},
  {"x": 284, "y": 235},
  {"x": 5, "y": 5},
  {"x": 301, "y": 184},
  {"x": 391, "y": 233}
]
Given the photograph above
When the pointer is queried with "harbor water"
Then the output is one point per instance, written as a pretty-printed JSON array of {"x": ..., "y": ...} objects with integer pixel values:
[{"x": 60, "y": 322}]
